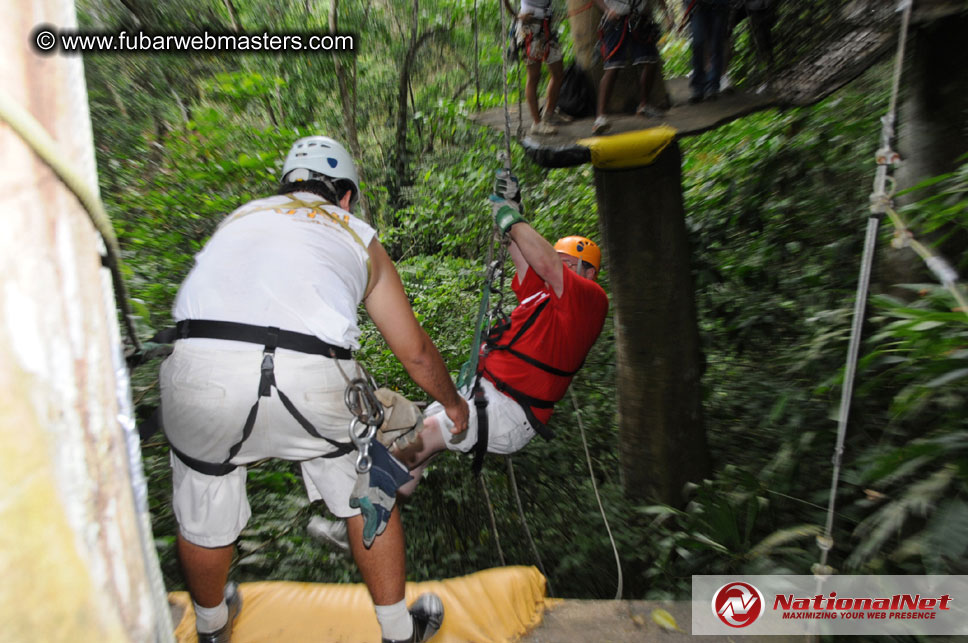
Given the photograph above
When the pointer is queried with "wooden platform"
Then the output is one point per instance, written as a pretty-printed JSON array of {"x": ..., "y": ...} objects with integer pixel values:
[
  {"x": 561, "y": 149},
  {"x": 574, "y": 621}
]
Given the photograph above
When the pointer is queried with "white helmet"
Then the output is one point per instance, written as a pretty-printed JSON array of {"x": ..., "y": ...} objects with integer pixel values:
[{"x": 320, "y": 155}]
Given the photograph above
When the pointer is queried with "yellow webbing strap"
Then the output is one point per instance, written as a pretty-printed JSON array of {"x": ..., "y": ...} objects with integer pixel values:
[
  {"x": 316, "y": 207},
  {"x": 632, "y": 149},
  {"x": 493, "y": 605}
]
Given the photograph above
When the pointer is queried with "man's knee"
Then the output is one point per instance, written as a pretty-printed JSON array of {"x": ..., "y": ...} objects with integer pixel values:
[{"x": 425, "y": 443}]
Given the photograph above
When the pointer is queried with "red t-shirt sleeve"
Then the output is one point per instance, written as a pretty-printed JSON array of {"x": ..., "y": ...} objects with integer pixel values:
[{"x": 531, "y": 284}]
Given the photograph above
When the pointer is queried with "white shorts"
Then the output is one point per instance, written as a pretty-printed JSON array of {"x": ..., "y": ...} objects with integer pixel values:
[
  {"x": 206, "y": 395},
  {"x": 508, "y": 429}
]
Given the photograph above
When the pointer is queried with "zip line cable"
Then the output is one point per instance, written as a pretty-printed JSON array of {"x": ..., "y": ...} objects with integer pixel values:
[{"x": 507, "y": 111}]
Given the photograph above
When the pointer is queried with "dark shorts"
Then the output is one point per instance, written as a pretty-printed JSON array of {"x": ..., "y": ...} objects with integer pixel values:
[{"x": 628, "y": 40}]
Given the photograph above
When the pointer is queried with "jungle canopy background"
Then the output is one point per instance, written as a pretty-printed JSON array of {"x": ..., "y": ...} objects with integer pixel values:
[{"x": 776, "y": 203}]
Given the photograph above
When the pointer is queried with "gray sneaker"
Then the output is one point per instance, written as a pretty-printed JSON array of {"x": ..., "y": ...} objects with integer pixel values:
[
  {"x": 601, "y": 125},
  {"x": 330, "y": 532},
  {"x": 224, "y": 633},
  {"x": 649, "y": 111},
  {"x": 427, "y": 614}
]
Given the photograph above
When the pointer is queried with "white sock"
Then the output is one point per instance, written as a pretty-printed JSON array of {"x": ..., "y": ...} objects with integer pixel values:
[
  {"x": 209, "y": 619},
  {"x": 395, "y": 621}
]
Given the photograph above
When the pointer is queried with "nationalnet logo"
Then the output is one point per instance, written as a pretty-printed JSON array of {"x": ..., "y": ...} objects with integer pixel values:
[
  {"x": 898, "y": 606},
  {"x": 738, "y": 604},
  {"x": 837, "y": 605}
]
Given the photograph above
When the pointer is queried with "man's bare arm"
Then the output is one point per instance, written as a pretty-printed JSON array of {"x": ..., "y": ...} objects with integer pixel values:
[
  {"x": 387, "y": 304},
  {"x": 535, "y": 251}
]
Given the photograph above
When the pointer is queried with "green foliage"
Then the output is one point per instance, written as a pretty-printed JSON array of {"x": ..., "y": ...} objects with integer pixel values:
[
  {"x": 776, "y": 205},
  {"x": 918, "y": 466}
]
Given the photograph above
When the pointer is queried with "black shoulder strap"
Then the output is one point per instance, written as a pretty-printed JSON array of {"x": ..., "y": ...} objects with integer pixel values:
[
  {"x": 528, "y": 323},
  {"x": 509, "y": 347}
]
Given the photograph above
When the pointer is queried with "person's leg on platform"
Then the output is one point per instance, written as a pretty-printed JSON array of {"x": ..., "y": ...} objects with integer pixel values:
[
  {"x": 718, "y": 23},
  {"x": 538, "y": 126},
  {"x": 699, "y": 44},
  {"x": 531, "y": 90},
  {"x": 216, "y": 602},
  {"x": 604, "y": 93},
  {"x": 646, "y": 83},
  {"x": 557, "y": 72},
  {"x": 383, "y": 568},
  {"x": 206, "y": 570}
]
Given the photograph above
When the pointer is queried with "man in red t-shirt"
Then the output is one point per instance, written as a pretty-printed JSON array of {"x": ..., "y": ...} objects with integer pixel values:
[
  {"x": 528, "y": 368},
  {"x": 524, "y": 371}
]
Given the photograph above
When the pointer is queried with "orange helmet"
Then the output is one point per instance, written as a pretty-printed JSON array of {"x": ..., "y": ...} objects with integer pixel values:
[{"x": 581, "y": 247}]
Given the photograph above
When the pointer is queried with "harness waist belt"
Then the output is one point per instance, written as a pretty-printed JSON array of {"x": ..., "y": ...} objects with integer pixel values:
[{"x": 263, "y": 335}]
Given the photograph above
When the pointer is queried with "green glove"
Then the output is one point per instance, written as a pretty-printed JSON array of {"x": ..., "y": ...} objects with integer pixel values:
[{"x": 505, "y": 213}]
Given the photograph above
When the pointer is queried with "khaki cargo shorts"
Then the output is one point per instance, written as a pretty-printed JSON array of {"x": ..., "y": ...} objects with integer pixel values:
[{"x": 206, "y": 396}]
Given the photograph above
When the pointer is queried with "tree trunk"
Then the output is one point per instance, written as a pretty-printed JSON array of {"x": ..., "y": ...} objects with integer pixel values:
[
  {"x": 659, "y": 363},
  {"x": 932, "y": 128},
  {"x": 398, "y": 179},
  {"x": 347, "y": 96},
  {"x": 401, "y": 165},
  {"x": 75, "y": 539}
]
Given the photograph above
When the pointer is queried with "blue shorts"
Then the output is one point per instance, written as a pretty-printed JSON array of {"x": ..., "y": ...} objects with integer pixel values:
[{"x": 628, "y": 40}]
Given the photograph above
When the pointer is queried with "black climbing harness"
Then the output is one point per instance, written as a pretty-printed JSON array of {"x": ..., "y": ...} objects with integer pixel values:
[
  {"x": 359, "y": 396},
  {"x": 525, "y": 401},
  {"x": 492, "y": 343}
]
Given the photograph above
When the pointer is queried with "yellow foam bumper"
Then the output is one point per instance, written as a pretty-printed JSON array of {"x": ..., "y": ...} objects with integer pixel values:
[
  {"x": 493, "y": 605},
  {"x": 632, "y": 149}
]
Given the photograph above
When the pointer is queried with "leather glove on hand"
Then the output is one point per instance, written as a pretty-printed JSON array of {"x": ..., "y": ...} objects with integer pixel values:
[
  {"x": 402, "y": 420},
  {"x": 506, "y": 201},
  {"x": 375, "y": 491},
  {"x": 505, "y": 213},
  {"x": 506, "y": 187}
]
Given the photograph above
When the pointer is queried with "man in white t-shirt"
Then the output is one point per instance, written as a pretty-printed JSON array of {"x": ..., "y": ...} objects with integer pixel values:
[{"x": 266, "y": 326}]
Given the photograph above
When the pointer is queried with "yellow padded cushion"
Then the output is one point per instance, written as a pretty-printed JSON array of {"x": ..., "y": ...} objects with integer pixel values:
[{"x": 493, "y": 605}]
